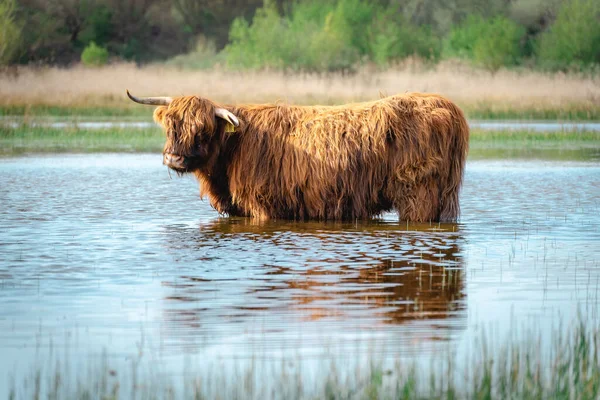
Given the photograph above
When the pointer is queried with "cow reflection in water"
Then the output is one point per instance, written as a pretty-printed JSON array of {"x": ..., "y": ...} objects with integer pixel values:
[{"x": 237, "y": 270}]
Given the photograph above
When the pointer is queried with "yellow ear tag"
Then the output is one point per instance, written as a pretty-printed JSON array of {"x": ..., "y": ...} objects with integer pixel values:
[{"x": 229, "y": 127}]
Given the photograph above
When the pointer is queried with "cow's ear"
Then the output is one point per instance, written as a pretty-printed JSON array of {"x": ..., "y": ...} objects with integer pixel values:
[
  {"x": 159, "y": 114},
  {"x": 227, "y": 116}
]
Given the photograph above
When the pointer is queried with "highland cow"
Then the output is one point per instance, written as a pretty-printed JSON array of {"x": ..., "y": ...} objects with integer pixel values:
[{"x": 405, "y": 153}]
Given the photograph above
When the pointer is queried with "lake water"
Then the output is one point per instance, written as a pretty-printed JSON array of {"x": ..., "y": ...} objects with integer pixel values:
[{"x": 109, "y": 256}]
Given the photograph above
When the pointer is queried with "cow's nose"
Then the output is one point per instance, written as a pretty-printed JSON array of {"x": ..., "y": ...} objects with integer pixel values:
[{"x": 173, "y": 161}]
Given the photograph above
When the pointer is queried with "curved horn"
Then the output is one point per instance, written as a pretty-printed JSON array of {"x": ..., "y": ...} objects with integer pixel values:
[
  {"x": 151, "y": 101},
  {"x": 227, "y": 116}
]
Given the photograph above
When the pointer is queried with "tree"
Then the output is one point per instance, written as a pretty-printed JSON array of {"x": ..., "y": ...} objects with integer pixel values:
[
  {"x": 10, "y": 32},
  {"x": 132, "y": 29},
  {"x": 442, "y": 15},
  {"x": 490, "y": 43},
  {"x": 574, "y": 38},
  {"x": 212, "y": 18}
]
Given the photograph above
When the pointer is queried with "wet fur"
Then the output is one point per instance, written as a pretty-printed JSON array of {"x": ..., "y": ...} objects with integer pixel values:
[{"x": 404, "y": 152}]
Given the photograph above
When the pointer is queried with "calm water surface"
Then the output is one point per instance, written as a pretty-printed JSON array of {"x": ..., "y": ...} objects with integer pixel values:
[{"x": 108, "y": 253}]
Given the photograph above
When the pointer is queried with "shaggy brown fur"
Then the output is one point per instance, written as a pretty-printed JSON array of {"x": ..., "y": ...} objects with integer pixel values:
[{"x": 404, "y": 152}]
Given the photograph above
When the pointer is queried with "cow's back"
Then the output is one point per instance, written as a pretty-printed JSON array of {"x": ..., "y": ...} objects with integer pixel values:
[{"x": 347, "y": 162}]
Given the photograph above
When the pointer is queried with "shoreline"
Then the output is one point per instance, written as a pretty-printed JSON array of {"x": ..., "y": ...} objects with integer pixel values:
[
  {"x": 23, "y": 139},
  {"x": 482, "y": 111}
]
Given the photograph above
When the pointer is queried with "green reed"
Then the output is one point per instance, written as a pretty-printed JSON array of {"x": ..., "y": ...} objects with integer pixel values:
[
  {"x": 36, "y": 139},
  {"x": 482, "y": 110},
  {"x": 566, "y": 368},
  {"x": 483, "y": 144}
]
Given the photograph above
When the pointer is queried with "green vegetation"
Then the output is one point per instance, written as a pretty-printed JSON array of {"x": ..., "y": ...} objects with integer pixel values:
[
  {"x": 573, "y": 112},
  {"x": 317, "y": 36},
  {"x": 568, "y": 367},
  {"x": 560, "y": 145},
  {"x": 141, "y": 31},
  {"x": 574, "y": 38},
  {"x": 10, "y": 32},
  {"x": 203, "y": 56},
  {"x": 94, "y": 55},
  {"x": 490, "y": 43},
  {"x": 394, "y": 41},
  {"x": 28, "y": 139},
  {"x": 483, "y": 144},
  {"x": 28, "y": 111},
  {"x": 535, "y": 138},
  {"x": 305, "y": 35},
  {"x": 341, "y": 34},
  {"x": 482, "y": 110}
]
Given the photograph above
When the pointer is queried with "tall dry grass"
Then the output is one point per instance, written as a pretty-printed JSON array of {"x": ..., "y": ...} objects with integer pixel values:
[{"x": 79, "y": 86}]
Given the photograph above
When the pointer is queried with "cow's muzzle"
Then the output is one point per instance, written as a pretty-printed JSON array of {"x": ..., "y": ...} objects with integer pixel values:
[{"x": 174, "y": 161}]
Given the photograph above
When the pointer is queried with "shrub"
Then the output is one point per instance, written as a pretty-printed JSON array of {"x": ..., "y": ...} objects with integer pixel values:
[
  {"x": 462, "y": 38},
  {"x": 203, "y": 56},
  {"x": 320, "y": 47},
  {"x": 395, "y": 40},
  {"x": 131, "y": 50},
  {"x": 500, "y": 46},
  {"x": 10, "y": 32},
  {"x": 351, "y": 20},
  {"x": 312, "y": 36},
  {"x": 260, "y": 44},
  {"x": 573, "y": 38},
  {"x": 94, "y": 55},
  {"x": 326, "y": 42},
  {"x": 490, "y": 43},
  {"x": 99, "y": 27},
  {"x": 326, "y": 36}
]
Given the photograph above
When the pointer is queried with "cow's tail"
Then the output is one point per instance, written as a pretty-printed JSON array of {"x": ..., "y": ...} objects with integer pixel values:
[{"x": 458, "y": 148}]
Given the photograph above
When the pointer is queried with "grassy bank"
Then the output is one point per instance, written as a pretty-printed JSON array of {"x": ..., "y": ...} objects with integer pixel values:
[
  {"x": 26, "y": 139},
  {"x": 100, "y": 92},
  {"x": 74, "y": 112},
  {"x": 483, "y": 144},
  {"x": 560, "y": 145},
  {"x": 566, "y": 367},
  {"x": 481, "y": 111}
]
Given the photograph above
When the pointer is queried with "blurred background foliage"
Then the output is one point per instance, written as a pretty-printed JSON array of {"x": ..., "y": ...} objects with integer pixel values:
[{"x": 304, "y": 35}]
